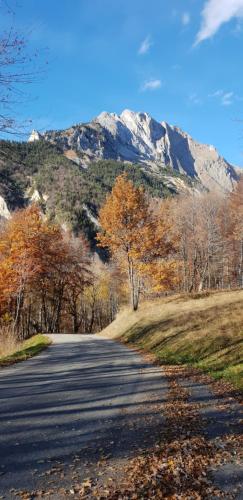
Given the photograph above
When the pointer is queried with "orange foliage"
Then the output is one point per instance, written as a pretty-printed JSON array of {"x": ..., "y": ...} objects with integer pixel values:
[
  {"x": 236, "y": 210},
  {"x": 131, "y": 231},
  {"x": 38, "y": 264},
  {"x": 27, "y": 246}
]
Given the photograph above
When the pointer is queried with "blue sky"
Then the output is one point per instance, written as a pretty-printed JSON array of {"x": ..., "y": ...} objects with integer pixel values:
[{"x": 181, "y": 61}]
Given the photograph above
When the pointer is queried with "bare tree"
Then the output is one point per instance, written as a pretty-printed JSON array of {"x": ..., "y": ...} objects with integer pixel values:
[{"x": 17, "y": 70}]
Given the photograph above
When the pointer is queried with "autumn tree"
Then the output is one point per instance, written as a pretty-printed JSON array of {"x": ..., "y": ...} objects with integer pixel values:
[
  {"x": 236, "y": 228},
  {"x": 137, "y": 237},
  {"x": 42, "y": 272},
  {"x": 78, "y": 277},
  {"x": 102, "y": 297},
  {"x": 199, "y": 219}
]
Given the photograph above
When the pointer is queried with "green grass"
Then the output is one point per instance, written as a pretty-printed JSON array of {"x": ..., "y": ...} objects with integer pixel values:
[
  {"x": 28, "y": 349},
  {"x": 206, "y": 333}
]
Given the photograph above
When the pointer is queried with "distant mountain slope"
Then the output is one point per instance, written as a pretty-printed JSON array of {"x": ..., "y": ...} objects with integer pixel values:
[
  {"x": 69, "y": 172},
  {"x": 138, "y": 138},
  {"x": 39, "y": 171}
]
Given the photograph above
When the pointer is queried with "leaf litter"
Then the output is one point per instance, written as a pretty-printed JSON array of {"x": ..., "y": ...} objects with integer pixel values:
[{"x": 178, "y": 467}]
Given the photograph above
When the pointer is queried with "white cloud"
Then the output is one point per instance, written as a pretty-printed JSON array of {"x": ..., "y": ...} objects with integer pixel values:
[
  {"x": 194, "y": 99},
  {"x": 217, "y": 93},
  {"x": 225, "y": 98},
  {"x": 145, "y": 46},
  {"x": 185, "y": 18},
  {"x": 151, "y": 85},
  {"x": 215, "y": 13}
]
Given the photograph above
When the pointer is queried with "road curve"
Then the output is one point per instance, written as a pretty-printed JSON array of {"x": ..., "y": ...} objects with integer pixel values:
[{"x": 82, "y": 395}]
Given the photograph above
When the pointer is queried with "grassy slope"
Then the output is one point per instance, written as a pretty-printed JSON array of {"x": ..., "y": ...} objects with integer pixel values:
[
  {"x": 28, "y": 349},
  {"x": 206, "y": 332}
]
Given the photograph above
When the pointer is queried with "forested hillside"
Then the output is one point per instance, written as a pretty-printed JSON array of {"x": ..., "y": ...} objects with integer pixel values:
[{"x": 69, "y": 193}]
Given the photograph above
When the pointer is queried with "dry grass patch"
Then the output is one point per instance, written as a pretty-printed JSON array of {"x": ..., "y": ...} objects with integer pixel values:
[
  {"x": 206, "y": 331},
  {"x": 23, "y": 350},
  {"x": 8, "y": 342}
]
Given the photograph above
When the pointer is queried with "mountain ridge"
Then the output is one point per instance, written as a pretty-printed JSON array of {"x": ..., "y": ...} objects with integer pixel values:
[
  {"x": 138, "y": 138},
  {"x": 70, "y": 172}
]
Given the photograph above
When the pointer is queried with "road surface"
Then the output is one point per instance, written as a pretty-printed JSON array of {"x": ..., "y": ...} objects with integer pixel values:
[{"x": 82, "y": 397}]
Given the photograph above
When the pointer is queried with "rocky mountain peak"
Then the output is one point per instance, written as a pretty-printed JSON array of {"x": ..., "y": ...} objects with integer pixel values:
[
  {"x": 138, "y": 138},
  {"x": 34, "y": 136}
]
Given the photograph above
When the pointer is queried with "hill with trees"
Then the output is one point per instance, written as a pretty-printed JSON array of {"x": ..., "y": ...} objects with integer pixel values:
[{"x": 39, "y": 171}]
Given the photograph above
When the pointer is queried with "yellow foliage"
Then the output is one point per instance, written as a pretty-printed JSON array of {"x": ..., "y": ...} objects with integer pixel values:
[{"x": 162, "y": 276}]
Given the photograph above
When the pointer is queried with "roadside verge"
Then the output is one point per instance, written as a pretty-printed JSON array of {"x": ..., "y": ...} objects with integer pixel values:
[{"x": 29, "y": 348}]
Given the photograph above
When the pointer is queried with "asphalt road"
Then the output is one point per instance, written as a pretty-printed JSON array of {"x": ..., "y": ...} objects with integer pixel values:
[{"x": 82, "y": 397}]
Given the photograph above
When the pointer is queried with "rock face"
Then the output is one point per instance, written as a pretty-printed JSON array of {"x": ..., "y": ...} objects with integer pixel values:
[
  {"x": 34, "y": 136},
  {"x": 4, "y": 211},
  {"x": 138, "y": 138}
]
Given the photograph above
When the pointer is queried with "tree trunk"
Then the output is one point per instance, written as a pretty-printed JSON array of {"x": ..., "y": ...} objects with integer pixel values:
[{"x": 134, "y": 285}]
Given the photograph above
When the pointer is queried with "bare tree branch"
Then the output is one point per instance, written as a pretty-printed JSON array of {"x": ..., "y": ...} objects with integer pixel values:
[{"x": 17, "y": 70}]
